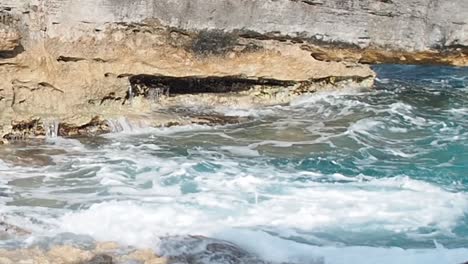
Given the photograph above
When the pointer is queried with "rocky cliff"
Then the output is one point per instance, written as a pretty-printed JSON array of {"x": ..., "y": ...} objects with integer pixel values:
[
  {"x": 435, "y": 28},
  {"x": 81, "y": 63}
]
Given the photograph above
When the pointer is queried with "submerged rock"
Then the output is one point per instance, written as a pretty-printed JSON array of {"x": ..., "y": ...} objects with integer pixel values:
[
  {"x": 100, "y": 259},
  {"x": 203, "y": 250},
  {"x": 214, "y": 119}
]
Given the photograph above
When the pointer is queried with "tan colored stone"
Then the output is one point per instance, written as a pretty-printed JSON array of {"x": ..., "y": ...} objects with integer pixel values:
[
  {"x": 9, "y": 38},
  {"x": 106, "y": 246},
  {"x": 146, "y": 256},
  {"x": 72, "y": 255},
  {"x": 74, "y": 82},
  {"x": 68, "y": 254},
  {"x": 456, "y": 56}
]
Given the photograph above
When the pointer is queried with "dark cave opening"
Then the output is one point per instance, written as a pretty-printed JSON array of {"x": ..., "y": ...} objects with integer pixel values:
[{"x": 145, "y": 84}]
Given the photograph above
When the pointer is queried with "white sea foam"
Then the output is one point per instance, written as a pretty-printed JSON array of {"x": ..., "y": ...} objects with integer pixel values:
[
  {"x": 142, "y": 225},
  {"x": 277, "y": 249},
  {"x": 247, "y": 112},
  {"x": 327, "y": 96},
  {"x": 142, "y": 184},
  {"x": 241, "y": 151},
  {"x": 225, "y": 202},
  {"x": 125, "y": 125},
  {"x": 365, "y": 125}
]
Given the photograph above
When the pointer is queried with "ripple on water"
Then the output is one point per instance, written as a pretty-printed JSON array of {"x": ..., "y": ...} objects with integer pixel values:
[{"x": 334, "y": 177}]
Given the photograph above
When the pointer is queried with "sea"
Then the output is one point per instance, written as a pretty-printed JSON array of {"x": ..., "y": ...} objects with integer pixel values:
[{"x": 335, "y": 177}]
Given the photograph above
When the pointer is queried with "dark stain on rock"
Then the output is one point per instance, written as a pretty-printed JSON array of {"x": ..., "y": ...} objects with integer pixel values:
[
  {"x": 213, "y": 42},
  {"x": 298, "y": 37},
  {"x": 109, "y": 97},
  {"x": 310, "y": 2},
  {"x": 48, "y": 85},
  {"x": 198, "y": 249},
  {"x": 216, "y": 119},
  {"x": 5, "y": 17},
  {"x": 385, "y": 1},
  {"x": 25, "y": 129},
  {"x": 69, "y": 59},
  {"x": 12, "y": 53},
  {"x": 100, "y": 259}
]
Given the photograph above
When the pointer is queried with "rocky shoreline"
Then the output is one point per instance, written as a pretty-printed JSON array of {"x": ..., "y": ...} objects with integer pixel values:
[
  {"x": 74, "y": 72},
  {"x": 83, "y": 89},
  {"x": 68, "y": 248}
]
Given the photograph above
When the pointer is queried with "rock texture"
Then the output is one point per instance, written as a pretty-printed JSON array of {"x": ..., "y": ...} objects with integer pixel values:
[
  {"x": 102, "y": 253},
  {"x": 204, "y": 250},
  {"x": 79, "y": 64},
  {"x": 434, "y": 28}
]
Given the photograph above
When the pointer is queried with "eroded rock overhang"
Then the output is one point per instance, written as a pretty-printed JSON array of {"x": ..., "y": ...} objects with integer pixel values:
[{"x": 110, "y": 58}]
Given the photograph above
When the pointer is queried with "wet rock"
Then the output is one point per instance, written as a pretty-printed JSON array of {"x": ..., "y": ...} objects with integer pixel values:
[
  {"x": 65, "y": 239},
  {"x": 100, "y": 259},
  {"x": 96, "y": 126},
  {"x": 8, "y": 230},
  {"x": 21, "y": 130},
  {"x": 202, "y": 250},
  {"x": 213, "y": 120},
  {"x": 77, "y": 65}
]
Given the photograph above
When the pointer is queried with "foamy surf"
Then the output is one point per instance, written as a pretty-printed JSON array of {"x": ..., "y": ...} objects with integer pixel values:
[{"x": 334, "y": 177}]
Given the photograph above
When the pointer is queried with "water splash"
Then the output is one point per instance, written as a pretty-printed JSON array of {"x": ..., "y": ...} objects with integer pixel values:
[
  {"x": 121, "y": 124},
  {"x": 130, "y": 94},
  {"x": 51, "y": 128},
  {"x": 125, "y": 125},
  {"x": 156, "y": 94},
  {"x": 367, "y": 177}
]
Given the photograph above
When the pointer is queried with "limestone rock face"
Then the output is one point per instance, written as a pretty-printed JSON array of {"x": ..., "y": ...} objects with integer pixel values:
[
  {"x": 72, "y": 62},
  {"x": 430, "y": 28}
]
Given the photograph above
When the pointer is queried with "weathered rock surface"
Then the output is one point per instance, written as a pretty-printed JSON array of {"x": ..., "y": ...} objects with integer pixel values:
[
  {"x": 72, "y": 61},
  {"x": 203, "y": 250},
  {"x": 9, "y": 34},
  {"x": 173, "y": 249},
  {"x": 432, "y": 28},
  {"x": 102, "y": 253}
]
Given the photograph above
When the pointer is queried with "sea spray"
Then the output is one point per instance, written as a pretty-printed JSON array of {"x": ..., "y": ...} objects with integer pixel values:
[
  {"x": 357, "y": 176},
  {"x": 127, "y": 125},
  {"x": 52, "y": 128}
]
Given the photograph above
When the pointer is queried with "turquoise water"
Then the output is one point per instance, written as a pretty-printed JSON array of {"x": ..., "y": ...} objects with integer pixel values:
[{"x": 371, "y": 176}]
